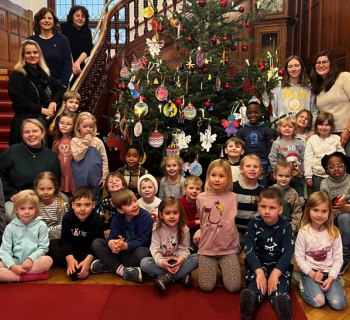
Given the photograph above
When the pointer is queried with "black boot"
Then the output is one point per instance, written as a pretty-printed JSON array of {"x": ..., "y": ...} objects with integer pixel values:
[
  {"x": 248, "y": 302},
  {"x": 162, "y": 281},
  {"x": 283, "y": 307}
]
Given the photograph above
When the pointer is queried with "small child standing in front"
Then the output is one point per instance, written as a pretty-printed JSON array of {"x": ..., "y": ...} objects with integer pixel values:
[
  {"x": 80, "y": 227},
  {"x": 219, "y": 241},
  {"x": 292, "y": 211},
  {"x": 234, "y": 150},
  {"x": 132, "y": 171},
  {"x": 269, "y": 248},
  {"x": 171, "y": 259},
  {"x": 114, "y": 182},
  {"x": 62, "y": 137},
  {"x": 70, "y": 101},
  {"x": 320, "y": 144},
  {"x": 25, "y": 242},
  {"x": 172, "y": 183},
  {"x": 304, "y": 123},
  {"x": 337, "y": 187},
  {"x": 90, "y": 163},
  {"x": 247, "y": 191},
  {"x": 292, "y": 149},
  {"x": 257, "y": 137},
  {"x": 319, "y": 254},
  {"x": 148, "y": 188}
]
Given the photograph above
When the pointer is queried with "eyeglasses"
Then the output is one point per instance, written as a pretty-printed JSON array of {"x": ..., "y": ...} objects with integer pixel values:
[
  {"x": 319, "y": 63},
  {"x": 63, "y": 124},
  {"x": 339, "y": 166}
]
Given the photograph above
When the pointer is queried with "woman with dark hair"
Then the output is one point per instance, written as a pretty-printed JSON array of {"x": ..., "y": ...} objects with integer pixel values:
[
  {"x": 332, "y": 91},
  {"x": 293, "y": 93},
  {"x": 79, "y": 36},
  {"x": 55, "y": 46}
]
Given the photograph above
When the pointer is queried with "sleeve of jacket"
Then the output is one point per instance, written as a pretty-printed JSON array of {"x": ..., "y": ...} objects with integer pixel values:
[
  {"x": 79, "y": 147},
  {"x": 56, "y": 170},
  {"x": 6, "y": 165},
  {"x": 143, "y": 233},
  {"x": 308, "y": 157},
  {"x": 161, "y": 193},
  {"x": 156, "y": 250},
  {"x": 338, "y": 146},
  {"x": 297, "y": 213},
  {"x": 6, "y": 254},
  {"x": 66, "y": 242},
  {"x": 269, "y": 142},
  {"x": 88, "y": 46},
  {"x": 302, "y": 157},
  {"x": 43, "y": 246},
  {"x": 116, "y": 228},
  {"x": 337, "y": 249},
  {"x": 58, "y": 90},
  {"x": 273, "y": 156}
]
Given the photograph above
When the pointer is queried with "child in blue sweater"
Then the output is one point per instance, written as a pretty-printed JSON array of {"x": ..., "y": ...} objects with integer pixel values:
[{"x": 129, "y": 240}]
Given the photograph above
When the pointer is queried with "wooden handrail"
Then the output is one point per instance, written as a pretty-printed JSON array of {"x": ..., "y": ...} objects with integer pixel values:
[{"x": 101, "y": 18}]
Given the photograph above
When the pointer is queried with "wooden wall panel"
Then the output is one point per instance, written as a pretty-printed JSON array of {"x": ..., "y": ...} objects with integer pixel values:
[
  {"x": 315, "y": 20},
  {"x": 4, "y": 43}
]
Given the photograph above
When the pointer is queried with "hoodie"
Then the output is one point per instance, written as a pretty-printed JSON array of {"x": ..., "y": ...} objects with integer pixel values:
[
  {"x": 190, "y": 212},
  {"x": 20, "y": 242},
  {"x": 258, "y": 140}
]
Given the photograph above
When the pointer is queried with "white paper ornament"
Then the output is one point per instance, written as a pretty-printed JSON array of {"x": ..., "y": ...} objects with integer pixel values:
[
  {"x": 195, "y": 168},
  {"x": 138, "y": 129},
  {"x": 207, "y": 139},
  {"x": 182, "y": 140}
]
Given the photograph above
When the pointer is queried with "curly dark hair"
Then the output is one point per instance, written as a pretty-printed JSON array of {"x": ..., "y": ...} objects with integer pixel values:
[
  {"x": 40, "y": 15},
  {"x": 84, "y": 11}
]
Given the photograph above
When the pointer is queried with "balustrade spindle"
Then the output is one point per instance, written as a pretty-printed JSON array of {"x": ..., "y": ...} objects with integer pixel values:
[
  {"x": 127, "y": 24},
  {"x": 174, "y": 5},
  {"x": 165, "y": 6},
  {"x": 145, "y": 4},
  {"x": 136, "y": 16}
]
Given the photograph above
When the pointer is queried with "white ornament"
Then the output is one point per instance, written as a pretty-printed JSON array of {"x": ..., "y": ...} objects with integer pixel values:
[
  {"x": 207, "y": 139},
  {"x": 182, "y": 140},
  {"x": 154, "y": 45}
]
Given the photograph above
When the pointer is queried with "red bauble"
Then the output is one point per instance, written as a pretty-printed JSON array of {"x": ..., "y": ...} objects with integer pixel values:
[
  {"x": 245, "y": 48},
  {"x": 261, "y": 65},
  {"x": 189, "y": 39},
  {"x": 281, "y": 72},
  {"x": 202, "y": 3},
  {"x": 227, "y": 86},
  {"x": 227, "y": 60},
  {"x": 214, "y": 40},
  {"x": 119, "y": 86},
  {"x": 261, "y": 15},
  {"x": 181, "y": 67},
  {"x": 160, "y": 29},
  {"x": 207, "y": 104},
  {"x": 226, "y": 50},
  {"x": 200, "y": 68},
  {"x": 241, "y": 9},
  {"x": 175, "y": 47},
  {"x": 143, "y": 98},
  {"x": 182, "y": 30},
  {"x": 248, "y": 24},
  {"x": 233, "y": 48},
  {"x": 123, "y": 86},
  {"x": 223, "y": 3},
  {"x": 225, "y": 38},
  {"x": 167, "y": 34},
  {"x": 146, "y": 63},
  {"x": 178, "y": 102}
]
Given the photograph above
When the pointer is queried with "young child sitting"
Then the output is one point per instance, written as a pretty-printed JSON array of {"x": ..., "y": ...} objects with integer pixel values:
[
  {"x": 257, "y": 137},
  {"x": 132, "y": 171},
  {"x": 171, "y": 259},
  {"x": 290, "y": 199},
  {"x": 114, "y": 182},
  {"x": 234, "y": 150},
  {"x": 129, "y": 240},
  {"x": 80, "y": 227},
  {"x": 148, "y": 188},
  {"x": 337, "y": 187},
  {"x": 25, "y": 242},
  {"x": 269, "y": 248},
  {"x": 70, "y": 101}
]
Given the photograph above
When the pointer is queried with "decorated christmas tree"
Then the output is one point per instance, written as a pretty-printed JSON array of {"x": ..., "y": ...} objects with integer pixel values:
[{"x": 194, "y": 108}]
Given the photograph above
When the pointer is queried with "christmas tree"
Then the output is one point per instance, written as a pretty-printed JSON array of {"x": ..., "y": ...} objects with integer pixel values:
[{"x": 198, "y": 105}]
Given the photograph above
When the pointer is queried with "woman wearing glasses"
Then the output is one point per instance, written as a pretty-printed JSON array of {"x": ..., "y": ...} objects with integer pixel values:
[{"x": 332, "y": 91}]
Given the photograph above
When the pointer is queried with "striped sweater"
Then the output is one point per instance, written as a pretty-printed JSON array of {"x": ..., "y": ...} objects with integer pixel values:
[{"x": 49, "y": 216}]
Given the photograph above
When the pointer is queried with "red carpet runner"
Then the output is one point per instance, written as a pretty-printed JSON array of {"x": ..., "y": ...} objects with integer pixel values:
[{"x": 93, "y": 302}]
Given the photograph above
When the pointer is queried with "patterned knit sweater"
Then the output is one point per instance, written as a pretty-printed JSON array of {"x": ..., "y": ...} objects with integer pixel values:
[{"x": 336, "y": 188}]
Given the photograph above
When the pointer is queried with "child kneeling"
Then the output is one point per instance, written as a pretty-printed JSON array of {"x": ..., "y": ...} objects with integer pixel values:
[
  {"x": 269, "y": 250},
  {"x": 170, "y": 247},
  {"x": 129, "y": 240}
]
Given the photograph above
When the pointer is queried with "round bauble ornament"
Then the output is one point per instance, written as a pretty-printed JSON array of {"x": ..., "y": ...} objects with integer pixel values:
[
  {"x": 261, "y": 15},
  {"x": 261, "y": 65},
  {"x": 227, "y": 86},
  {"x": 178, "y": 102},
  {"x": 181, "y": 67},
  {"x": 225, "y": 38},
  {"x": 140, "y": 108},
  {"x": 167, "y": 34},
  {"x": 214, "y": 40},
  {"x": 245, "y": 48},
  {"x": 173, "y": 149},
  {"x": 189, "y": 39},
  {"x": 241, "y": 9},
  {"x": 123, "y": 86},
  {"x": 156, "y": 139},
  {"x": 281, "y": 72},
  {"x": 223, "y": 4},
  {"x": 202, "y": 3},
  {"x": 119, "y": 86},
  {"x": 146, "y": 63},
  {"x": 248, "y": 24},
  {"x": 143, "y": 98},
  {"x": 201, "y": 68},
  {"x": 182, "y": 30},
  {"x": 195, "y": 168},
  {"x": 227, "y": 60},
  {"x": 233, "y": 48},
  {"x": 175, "y": 47},
  {"x": 170, "y": 109},
  {"x": 190, "y": 112},
  {"x": 207, "y": 104},
  {"x": 160, "y": 29}
]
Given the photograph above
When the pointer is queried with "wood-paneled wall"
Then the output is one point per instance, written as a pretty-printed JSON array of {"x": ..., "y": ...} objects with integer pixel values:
[
  {"x": 324, "y": 24},
  {"x": 15, "y": 26}
]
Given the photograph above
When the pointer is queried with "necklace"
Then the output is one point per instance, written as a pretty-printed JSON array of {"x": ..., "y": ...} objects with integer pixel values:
[{"x": 33, "y": 154}]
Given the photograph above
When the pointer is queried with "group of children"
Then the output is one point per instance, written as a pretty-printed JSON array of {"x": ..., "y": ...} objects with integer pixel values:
[{"x": 184, "y": 228}]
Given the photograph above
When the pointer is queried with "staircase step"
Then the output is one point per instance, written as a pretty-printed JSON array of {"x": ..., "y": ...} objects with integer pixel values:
[
  {"x": 4, "y": 84},
  {"x": 3, "y": 147},
  {"x": 9, "y": 72},
  {"x": 6, "y": 120},
  {"x": 4, "y": 135},
  {"x": 6, "y": 107},
  {"x": 4, "y": 95}
]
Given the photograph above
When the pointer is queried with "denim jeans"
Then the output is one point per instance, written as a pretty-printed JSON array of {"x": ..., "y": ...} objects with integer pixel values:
[
  {"x": 344, "y": 227},
  {"x": 314, "y": 296},
  {"x": 149, "y": 266},
  {"x": 316, "y": 183}
]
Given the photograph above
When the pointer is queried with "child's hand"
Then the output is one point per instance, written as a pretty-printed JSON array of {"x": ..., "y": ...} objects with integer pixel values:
[
  {"x": 317, "y": 276},
  {"x": 85, "y": 266},
  {"x": 178, "y": 264},
  {"x": 309, "y": 182},
  {"x": 71, "y": 264},
  {"x": 198, "y": 222},
  {"x": 107, "y": 232},
  {"x": 261, "y": 280},
  {"x": 102, "y": 183},
  {"x": 88, "y": 136},
  {"x": 13, "y": 197},
  {"x": 114, "y": 246},
  {"x": 342, "y": 209},
  {"x": 167, "y": 266},
  {"x": 197, "y": 237},
  {"x": 122, "y": 244},
  {"x": 327, "y": 284},
  {"x": 17, "y": 270},
  {"x": 273, "y": 281},
  {"x": 27, "y": 264}
]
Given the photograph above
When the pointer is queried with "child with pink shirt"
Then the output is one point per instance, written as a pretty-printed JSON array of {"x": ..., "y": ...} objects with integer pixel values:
[{"x": 219, "y": 242}]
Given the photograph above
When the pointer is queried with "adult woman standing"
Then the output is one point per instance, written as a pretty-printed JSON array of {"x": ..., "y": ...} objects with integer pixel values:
[
  {"x": 33, "y": 92},
  {"x": 293, "y": 93},
  {"x": 55, "y": 46},
  {"x": 79, "y": 35},
  {"x": 22, "y": 162},
  {"x": 332, "y": 91}
]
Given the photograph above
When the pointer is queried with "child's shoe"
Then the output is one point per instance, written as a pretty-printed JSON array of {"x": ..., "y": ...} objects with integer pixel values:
[
  {"x": 248, "y": 303},
  {"x": 186, "y": 280},
  {"x": 283, "y": 306},
  {"x": 98, "y": 267},
  {"x": 345, "y": 263},
  {"x": 162, "y": 281},
  {"x": 32, "y": 277},
  {"x": 133, "y": 274}
]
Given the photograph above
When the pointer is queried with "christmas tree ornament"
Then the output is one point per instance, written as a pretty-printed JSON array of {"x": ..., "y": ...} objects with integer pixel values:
[
  {"x": 230, "y": 124},
  {"x": 135, "y": 64},
  {"x": 180, "y": 67},
  {"x": 227, "y": 60},
  {"x": 223, "y": 4},
  {"x": 178, "y": 82},
  {"x": 265, "y": 97},
  {"x": 207, "y": 104},
  {"x": 123, "y": 87},
  {"x": 155, "y": 81},
  {"x": 162, "y": 92},
  {"x": 261, "y": 15},
  {"x": 176, "y": 47},
  {"x": 117, "y": 116},
  {"x": 143, "y": 159},
  {"x": 182, "y": 140},
  {"x": 174, "y": 23},
  {"x": 122, "y": 155},
  {"x": 246, "y": 84},
  {"x": 138, "y": 129},
  {"x": 195, "y": 168},
  {"x": 222, "y": 153},
  {"x": 123, "y": 127},
  {"x": 233, "y": 71},
  {"x": 141, "y": 108},
  {"x": 124, "y": 72},
  {"x": 227, "y": 86},
  {"x": 160, "y": 29},
  {"x": 214, "y": 40},
  {"x": 218, "y": 84},
  {"x": 189, "y": 39},
  {"x": 202, "y": 3},
  {"x": 200, "y": 59},
  {"x": 143, "y": 98},
  {"x": 154, "y": 45},
  {"x": 241, "y": 9},
  {"x": 156, "y": 139},
  {"x": 110, "y": 141},
  {"x": 148, "y": 12},
  {"x": 281, "y": 72},
  {"x": 178, "y": 102},
  {"x": 261, "y": 65},
  {"x": 170, "y": 109},
  {"x": 207, "y": 139},
  {"x": 190, "y": 111},
  {"x": 233, "y": 48},
  {"x": 240, "y": 26},
  {"x": 181, "y": 30},
  {"x": 225, "y": 37},
  {"x": 173, "y": 149},
  {"x": 245, "y": 48},
  {"x": 248, "y": 24}
]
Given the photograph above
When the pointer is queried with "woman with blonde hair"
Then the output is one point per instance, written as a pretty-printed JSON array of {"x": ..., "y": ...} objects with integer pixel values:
[{"x": 33, "y": 91}]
